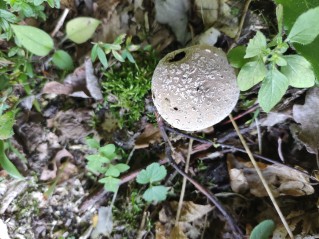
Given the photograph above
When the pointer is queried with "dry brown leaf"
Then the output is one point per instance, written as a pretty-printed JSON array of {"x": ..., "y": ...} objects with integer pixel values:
[
  {"x": 307, "y": 116},
  {"x": 191, "y": 211},
  {"x": 282, "y": 180},
  {"x": 150, "y": 135},
  {"x": 160, "y": 232},
  {"x": 92, "y": 83},
  {"x": 54, "y": 87},
  {"x": 177, "y": 232}
]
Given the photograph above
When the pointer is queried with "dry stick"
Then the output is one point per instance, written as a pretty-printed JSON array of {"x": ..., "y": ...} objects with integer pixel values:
[
  {"x": 233, "y": 148},
  {"x": 60, "y": 22},
  {"x": 181, "y": 197},
  {"x": 270, "y": 194},
  {"x": 230, "y": 220}
]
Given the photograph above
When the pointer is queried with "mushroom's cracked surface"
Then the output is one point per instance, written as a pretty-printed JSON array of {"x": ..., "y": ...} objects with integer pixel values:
[{"x": 194, "y": 88}]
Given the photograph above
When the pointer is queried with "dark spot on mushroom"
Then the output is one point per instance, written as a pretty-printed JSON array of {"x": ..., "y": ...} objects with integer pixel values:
[
  {"x": 175, "y": 108},
  {"x": 179, "y": 56}
]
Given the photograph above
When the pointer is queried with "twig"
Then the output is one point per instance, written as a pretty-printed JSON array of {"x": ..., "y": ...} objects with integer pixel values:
[
  {"x": 281, "y": 156},
  {"x": 259, "y": 136},
  {"x": 181, "y": 198},
  {"x": 212, "y": 198},
  {"x": 60, "y": 22},
  {"x": 270, "y": 194},
  {"x": 242, "y": 20}
]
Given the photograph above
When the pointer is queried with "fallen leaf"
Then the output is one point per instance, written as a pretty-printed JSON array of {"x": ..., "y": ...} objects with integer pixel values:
[
  {"x": 191, "y": 211},
  {"x": 281, "y": 179},
  {"x": 150, "y": 135},
  {"x": 307, "y": 116},
  {"x": 104, "y": 224},
  {"x": 177, "y": 232},
  {"x": 274, "y": 118},
  {"x": 54, "y": 87},
  {"x": 92, "y": 83}
]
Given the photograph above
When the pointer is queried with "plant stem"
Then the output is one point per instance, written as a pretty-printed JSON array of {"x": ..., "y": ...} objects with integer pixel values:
[
  {"x": 181, "y": 198},
  {"x": 270, "y": 194}
]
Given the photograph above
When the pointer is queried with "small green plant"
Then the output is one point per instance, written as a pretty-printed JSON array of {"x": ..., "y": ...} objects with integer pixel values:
[
  {"x": 263, "y": 230},
  {"x": 117, "y": 49},
  {"x": 152, "y": 175},
  {"x": 104, "y": 162},
  {"x": 129, "y": 84},
  {"x": 266, "y": 62}
]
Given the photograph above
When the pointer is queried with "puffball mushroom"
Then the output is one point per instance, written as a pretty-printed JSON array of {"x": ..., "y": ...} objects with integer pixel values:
[{"x": 194, "y": 88}]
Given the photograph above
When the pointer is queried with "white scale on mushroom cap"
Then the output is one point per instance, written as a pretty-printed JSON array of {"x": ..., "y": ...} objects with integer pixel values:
[{"x": 195, "y": 87}]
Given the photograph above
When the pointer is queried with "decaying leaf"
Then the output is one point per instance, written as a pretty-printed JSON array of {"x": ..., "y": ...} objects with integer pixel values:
[
  {"x": 54, "y": 87},
  {"x": 191, "y": 221},
  {"x": 104, "y": 224},
  {"x": 282, "y": 180},
  {"x": 307, "y": 116},
  {"x": 150, "y": 135},
  {"x": 92, "y": 83}
]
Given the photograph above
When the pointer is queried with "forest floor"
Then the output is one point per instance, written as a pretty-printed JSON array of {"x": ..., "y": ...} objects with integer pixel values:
[{"x": 59, "y": 197}]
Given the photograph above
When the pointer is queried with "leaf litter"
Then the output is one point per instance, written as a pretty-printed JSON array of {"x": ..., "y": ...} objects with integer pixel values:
[{"x": 46, "y": 204}]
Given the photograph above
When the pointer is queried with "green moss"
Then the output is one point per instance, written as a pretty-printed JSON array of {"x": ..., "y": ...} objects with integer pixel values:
[{"x": 130, "y": 83}]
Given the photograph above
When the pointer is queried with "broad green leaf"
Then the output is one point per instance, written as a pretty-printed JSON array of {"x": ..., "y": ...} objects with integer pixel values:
[
  {"x": 306, "y": 27},
  {"x": 110, "y": 184},
  {"x": 112, "y": 171},
  {"x": 292, "y": 10},
  {"x": 298, "y": 71},
  {"x": 62, "y": 60},
  {"x": 272, "y": 89},
  {"x": 6, "y": 125},
  {"x": 128, "y": 55},
  {"x": 81, "y": 29},
  {"x": 155, "y": 193},
  {"x": 102, "y": 57},
  {"x": 92, "y": 143},
  {"x": 280, "y": 61},
  {"x": 8, "y": 16},
  {"x": 33, "y": 39},
  {"x": 108, "y": 151},
  {"x": 112, "y": 46},
  {"x": 6, "y": 163},
  {"x": 236, "y": 56},
  {"x": 97, "y": 157},
  {"x": 153, "y": 173},
  {"x": 279, "y": 15},
  {"x": 263, "y": 230},
  {"x": 94, "y": 166},
  {"x": 122, "y": 167},
  {"x": 251, "y": 74},
  {"x": 256, "y": 46}
]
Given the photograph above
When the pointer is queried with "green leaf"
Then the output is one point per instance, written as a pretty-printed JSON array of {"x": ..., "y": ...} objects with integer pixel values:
[
  {"x": 298, "y": 71},
  {"x": 117, "y": 56},
  {"x": 236, "y": 56},
  {"x": 33, "y": 39},
  {"x": 97, "y": 157},
  {"x": 263, "y": 230},
  {"x": 92, "y": 143},
  {"x": 272, "y": 89},
  {"x": 153, "y": 173},
  {"x": 155, "y": 193},
  {"x": 110, "y": 184},
  {"x": 256, "y": 46},
  {"x": 122, "y": 167},
  {"x": 8, "y": 16},
  {"x": 94, "y": 52},
  {"x": 6, "y": 163},
  {"x": 279, "y": 15},
  {"x": 292, "y": 9},
  {"x": 102, "y": 57},
  {"x": 6, "y": 125},
  {"x": 81, "y": 29},
  {"x": 108, "y": 151},
  {"x": 306, "y": 27},
  {"x": 62, "y": 60},
  {"x": 112, "y": 171},
  {"x": 251, "y": 74},
  {"x": 112, "y": 46}
]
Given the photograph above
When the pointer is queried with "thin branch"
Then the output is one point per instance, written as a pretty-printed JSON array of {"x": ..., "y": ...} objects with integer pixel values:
[
  {"x": 181, "y": 198},
  {"x": 60, "y": 22},
  {"x": 269, "y": 192}
]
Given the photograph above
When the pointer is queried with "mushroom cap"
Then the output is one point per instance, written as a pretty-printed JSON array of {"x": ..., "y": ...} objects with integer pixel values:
[{"x": 195, "y": 87}]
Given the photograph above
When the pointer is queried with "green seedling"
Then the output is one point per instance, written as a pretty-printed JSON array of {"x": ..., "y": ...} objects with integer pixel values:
[
  {"x": 151, "y": 176},
  {"x": 266, "y": 62},
  {"x": 103, "y": 163}
]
